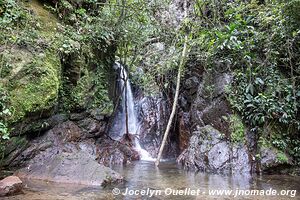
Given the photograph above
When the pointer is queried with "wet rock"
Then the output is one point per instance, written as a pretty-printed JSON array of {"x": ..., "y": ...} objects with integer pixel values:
[
  {"x": 184, "y": 131},
  {"x": 112, "y": 152},
  {"x": 268, "y": 158},
  {"x": 65, "y": 137},
  {"x": 89, "y": 147},
  {"x": 213, "y": 115},
  {"x": 57, "y": 119},
  {"x": 210, "y": 104},
  {"x": 13, "y": 148},
  {"x": 154, "y": 114},
  {"x": 93, "y": 127},
  {"x": 273, "y": 158},
  {"x": 240, "y": 159},
  {"x": 78, "y": 116},
  {"x": 97, "y": 114},
  {"x": 191, "y": 82},
  {"x": 68, "y": 130},
  {"x": 208, "y": 150},
  {"x": 218, "y": 156},
  {"x": 76, "y": 168},
  {"x": 90, "y": 125},
  {"x": 11, "y": 185},
  {"x": 35, "y": 126}
]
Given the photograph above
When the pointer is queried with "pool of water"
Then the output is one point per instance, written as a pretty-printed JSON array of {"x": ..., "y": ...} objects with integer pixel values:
[{"x": 145, "y": 181}]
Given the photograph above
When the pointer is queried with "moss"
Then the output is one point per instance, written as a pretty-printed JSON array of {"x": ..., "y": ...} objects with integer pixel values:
[
  {"x": 237, "y": 129},
  {"x": 48, "y": 20},
  {"x": 89, "y": 92},
  {"x": 33, "y": 76},
  {"x": 30, "y": 62},
  {"x": 281, "y": 157},
  {"x": 12, "y": 60},
  {"x": 36, "y": 89},
  {"x": 263, "y": 142}
]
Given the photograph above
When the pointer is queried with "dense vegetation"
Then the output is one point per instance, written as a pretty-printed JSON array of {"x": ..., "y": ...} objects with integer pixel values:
[{"x": 258, "y": 42}]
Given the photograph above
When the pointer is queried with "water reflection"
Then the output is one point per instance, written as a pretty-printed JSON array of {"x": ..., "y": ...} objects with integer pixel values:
[{"x": 144, "y": 175}]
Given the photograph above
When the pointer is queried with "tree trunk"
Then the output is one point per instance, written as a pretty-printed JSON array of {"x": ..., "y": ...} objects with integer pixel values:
[
  {"x": 180, "y": 69},
  {"x": 126, "y": 107}
]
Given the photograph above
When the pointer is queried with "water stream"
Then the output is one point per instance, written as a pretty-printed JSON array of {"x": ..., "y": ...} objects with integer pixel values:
[
  {"x": 142, "y": 175},
  {"x": 127, "y": 106}
]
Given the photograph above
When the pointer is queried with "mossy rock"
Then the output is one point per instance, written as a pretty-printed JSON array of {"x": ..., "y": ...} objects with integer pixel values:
[
  {"x": 35, "y": 86},
  {"x": 32, "y": 72},
  {"x": 37, "y": 78}
]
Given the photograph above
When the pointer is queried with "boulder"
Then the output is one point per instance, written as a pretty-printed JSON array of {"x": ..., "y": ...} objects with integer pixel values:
[
  {"x": 241, "y": 161},
  {"x": 74, "y": 168},
  {"x": 11, "y": 185},
  {"x": 90, "y": 125},
  {"x": 208, "y": 150},
  {"x": 64, "y": 137},
  {"x": 112, "y": 152},
  {"x": 272, "y": 158}
]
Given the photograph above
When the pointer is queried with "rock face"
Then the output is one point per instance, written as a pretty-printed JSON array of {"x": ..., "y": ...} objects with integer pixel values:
[
  {"x": 76, "y": 168},
  {"x": 208, "y": 150},
  {"x": 112, "y": 152},
  {"x": 204, "y": 104},
  {"x": 272, "y": 158},
  {"x": 205, "y": 123},
  {"x": 66, "y": 136},
  {"x": 205, "y": 132},
  {"x": 210, "y": 104},
  {"x": 154, "y": 114},
  {"x": 11, "y": 185},
  {"x": 72, "y": 151}
]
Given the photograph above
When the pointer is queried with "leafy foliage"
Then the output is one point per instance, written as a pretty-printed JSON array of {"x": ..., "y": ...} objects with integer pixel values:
[
  {"x": 4, "y": 114},
  {"x": 237, "y": 129},
  {"x": 256, "y": 41},
  {"x": 259, "y": 42}
]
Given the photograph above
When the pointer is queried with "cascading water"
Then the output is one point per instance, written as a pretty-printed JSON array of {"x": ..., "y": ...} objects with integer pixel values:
[{"x": 127, "y": 105}]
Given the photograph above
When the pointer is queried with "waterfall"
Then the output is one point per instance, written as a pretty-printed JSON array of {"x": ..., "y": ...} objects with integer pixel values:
[{"x": 119, "y": 124}]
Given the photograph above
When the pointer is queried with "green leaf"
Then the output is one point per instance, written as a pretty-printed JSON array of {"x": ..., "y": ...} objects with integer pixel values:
[
  {"x": 259, "y": 81},
  {"x": 250, "y": 89}
]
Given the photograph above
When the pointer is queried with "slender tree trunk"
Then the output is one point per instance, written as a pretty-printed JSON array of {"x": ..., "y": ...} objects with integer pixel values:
[
  {"x": 126, "y": 112},
  {"x": 180, "y": 69},
  {"x": 126, "y": 107}
]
